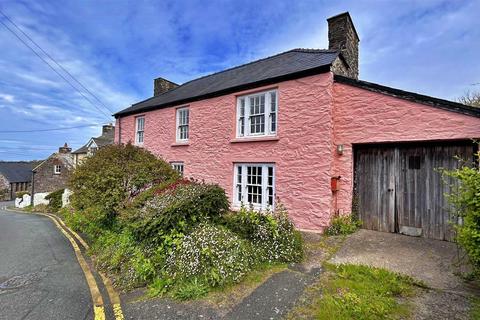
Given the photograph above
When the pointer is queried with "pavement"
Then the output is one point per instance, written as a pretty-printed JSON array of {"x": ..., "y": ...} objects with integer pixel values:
[{"x": 40, "y": 277}]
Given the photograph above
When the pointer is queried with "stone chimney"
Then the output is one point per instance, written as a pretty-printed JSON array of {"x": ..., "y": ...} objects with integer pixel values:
[
  {"x": 108, "y": 129},
  {"x": 161, "y": 85},
  {"x": 343, "y": 36},
  {"x": 65, "y": 149}
]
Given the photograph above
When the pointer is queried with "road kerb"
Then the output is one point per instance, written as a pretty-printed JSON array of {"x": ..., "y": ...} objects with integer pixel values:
[
  {"x": 112, "y": 294},
  {"x": 99, "y": 311}
]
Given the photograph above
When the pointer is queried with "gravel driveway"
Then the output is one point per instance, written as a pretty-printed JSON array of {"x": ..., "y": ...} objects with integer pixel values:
[{"x": 431, "y": 261}]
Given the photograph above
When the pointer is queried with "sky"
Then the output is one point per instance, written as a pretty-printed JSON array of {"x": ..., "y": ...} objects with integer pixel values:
[{"x": 116, "y": 48}]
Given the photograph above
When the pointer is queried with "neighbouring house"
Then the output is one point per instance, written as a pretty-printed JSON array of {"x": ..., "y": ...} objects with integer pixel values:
[
  {"x": 15, "y": 176},
  {"x": 300, "y": 128},
  {"x": 107, "y": 138},
  {"x": 52, "y": 173}
]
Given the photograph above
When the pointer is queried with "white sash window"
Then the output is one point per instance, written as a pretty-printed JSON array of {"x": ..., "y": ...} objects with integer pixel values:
[
  {"x": 257, "y": 114},
  {"x": 254, "y": 185}
]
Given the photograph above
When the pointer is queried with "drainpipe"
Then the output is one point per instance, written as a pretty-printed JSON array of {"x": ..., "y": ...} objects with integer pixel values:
[{"x": 119, "y": 130}]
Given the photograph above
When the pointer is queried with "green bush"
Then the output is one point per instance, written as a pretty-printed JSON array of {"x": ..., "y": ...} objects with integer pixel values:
[
  {"x": 272, "y": 234},
  {"x": 130, "y": 263},
  {"x": 115, "y": 174},
  {"x": 343, "y": 225},
  {"x": 19, "y": 194},
  {"x": 466, "y": 201},
  {"x": 55, "y": 200},
  {"x": 212, "y": 253},
  {"x": 169, "y": 210}
]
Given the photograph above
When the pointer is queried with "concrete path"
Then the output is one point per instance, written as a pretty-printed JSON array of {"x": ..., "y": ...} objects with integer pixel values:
[
  {"x": 39, "y": 275},
  {"x": 431, "y": 261},
  {"x": 274, "y": 298}
]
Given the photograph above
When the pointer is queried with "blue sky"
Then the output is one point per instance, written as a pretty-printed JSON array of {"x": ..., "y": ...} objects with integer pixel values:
[{"x": 117, "y": 48}]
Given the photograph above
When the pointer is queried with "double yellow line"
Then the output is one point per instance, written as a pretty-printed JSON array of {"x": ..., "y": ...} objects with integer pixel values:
[{"x": 98, "y": 306}]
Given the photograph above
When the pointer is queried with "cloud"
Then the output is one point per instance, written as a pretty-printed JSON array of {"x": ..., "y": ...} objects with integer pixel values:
[
  {"x": 7, "y": 97},
  {"x": 116, "y": 49}
]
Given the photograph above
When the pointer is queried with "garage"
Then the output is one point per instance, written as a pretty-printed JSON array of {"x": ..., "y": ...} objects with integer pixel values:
[{"x": 399, "y": 187}]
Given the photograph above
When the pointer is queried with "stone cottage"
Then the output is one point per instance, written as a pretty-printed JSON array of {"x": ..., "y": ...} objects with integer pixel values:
[
  {"x": 15, "y": 176},
  {"x": 52, "y": 174}
]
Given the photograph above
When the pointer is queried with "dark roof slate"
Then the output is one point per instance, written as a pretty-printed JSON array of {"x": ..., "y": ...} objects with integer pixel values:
[
  {"x": 291, "y": 64},
  {"x": 17, "y": 171},
  {"x": 411, "y": 96},
  {"x": 100, "y": 141}
]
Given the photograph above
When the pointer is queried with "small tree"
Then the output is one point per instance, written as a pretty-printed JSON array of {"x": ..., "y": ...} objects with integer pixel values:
[
  {"x": 466, "y": 201},
  {"x": 470, "y": 99},
  {"x": 104, "y": 182}
]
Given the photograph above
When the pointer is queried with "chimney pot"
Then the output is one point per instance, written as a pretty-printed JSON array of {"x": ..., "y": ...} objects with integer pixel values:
[
  {"x": 108, "y": 129},
  {"x": 161, "y": 86},
  {"x": 65, "y": 149},
  {"x": 343, "y": 37}
]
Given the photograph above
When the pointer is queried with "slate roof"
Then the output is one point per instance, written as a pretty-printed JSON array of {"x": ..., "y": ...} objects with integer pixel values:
[
  {"x": 100, "y": 141},
  {"x": 411, "y": 96},
  {"x": 291, "y": 64},
  {"x": 17, "y": 171}
]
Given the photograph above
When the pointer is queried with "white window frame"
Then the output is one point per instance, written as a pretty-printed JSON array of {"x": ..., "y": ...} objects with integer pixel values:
[
  {"x": 240, "y": 186},
  {"x": 57, "y": 169},
  {"x": 270, "y": 115},
  {"x": 182, "y": 121},
  {"x": 139, "y": 130},
  {"x": 178, "y": 166}
]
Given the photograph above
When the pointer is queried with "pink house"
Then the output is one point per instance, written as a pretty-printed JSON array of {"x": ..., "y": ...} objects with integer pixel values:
[{"x": 300, "y": 128}]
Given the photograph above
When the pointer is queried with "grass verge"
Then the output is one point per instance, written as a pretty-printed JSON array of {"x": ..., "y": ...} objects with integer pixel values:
[
  {"x": 356, "y": 292},
  {"x": 221, "y": 297},
  {"x": 475, "y": 309}
]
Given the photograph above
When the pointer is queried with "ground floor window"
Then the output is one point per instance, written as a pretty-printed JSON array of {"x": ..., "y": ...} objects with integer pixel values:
[
  {"x": 254, "y": 185},
  {"x": 178, "y": 166}
]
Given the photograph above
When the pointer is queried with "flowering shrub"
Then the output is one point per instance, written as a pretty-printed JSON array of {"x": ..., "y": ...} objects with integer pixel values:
[
  {"x": 170, "y": 210},
  {"x": 272, "y": 234},
  {"x": 212, "y": 253}
]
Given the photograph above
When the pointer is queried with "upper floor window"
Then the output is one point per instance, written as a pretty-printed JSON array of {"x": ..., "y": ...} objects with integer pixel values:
[
  {"x": 139, "y": 129},
  {"x": 257, "y": 114},
  {"x": 254, "y": 185},
  {"x": 57, "y": 169},
  {"x": 182, "y": 124}
]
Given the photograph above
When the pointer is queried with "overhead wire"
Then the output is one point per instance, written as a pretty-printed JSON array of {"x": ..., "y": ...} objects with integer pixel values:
[
  {"x": 55, "y": 70},
  {"x": 55, "y": 61}
]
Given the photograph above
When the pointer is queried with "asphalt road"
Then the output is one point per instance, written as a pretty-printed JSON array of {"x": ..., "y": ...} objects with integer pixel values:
[{"x": 40, "y": 277}]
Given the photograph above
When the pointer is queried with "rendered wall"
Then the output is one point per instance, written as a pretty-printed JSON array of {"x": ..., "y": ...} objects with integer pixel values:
[
  {"x": 362, "y": 116},
  {"x": 302, "y": 153}
]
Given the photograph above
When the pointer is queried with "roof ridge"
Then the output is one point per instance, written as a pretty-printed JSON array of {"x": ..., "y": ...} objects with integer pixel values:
[{"x": 304, "y": 50}]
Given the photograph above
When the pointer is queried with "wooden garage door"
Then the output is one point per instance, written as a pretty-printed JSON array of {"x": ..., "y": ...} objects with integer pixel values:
[{"x": 400, "y": 188}]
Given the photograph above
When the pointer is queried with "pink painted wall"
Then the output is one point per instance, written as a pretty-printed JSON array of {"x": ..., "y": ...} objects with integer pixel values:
[
  {"x": 302, "y": 154},
  {"x": 314, "y": 116},
  {"x": 362, "y": 116}
]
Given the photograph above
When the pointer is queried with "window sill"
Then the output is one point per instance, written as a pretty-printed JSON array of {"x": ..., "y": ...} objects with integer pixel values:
[
  {"x": 255, "y": 139},
  {"x": 180, "y": 144}
]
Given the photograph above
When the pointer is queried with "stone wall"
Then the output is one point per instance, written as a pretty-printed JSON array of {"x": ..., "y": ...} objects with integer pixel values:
[
  {"x": 161, "y": 85},
  {"x": 342, "y": 36},
  {"x": 45, "y": 178}
]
